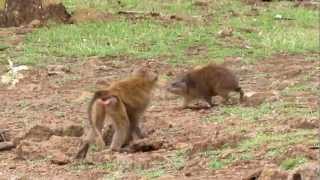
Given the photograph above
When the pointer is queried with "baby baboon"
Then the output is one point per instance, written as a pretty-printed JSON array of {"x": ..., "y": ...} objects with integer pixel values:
[
  {"x": 123, "y": 102},
  {"x": 205, "y": 82}
]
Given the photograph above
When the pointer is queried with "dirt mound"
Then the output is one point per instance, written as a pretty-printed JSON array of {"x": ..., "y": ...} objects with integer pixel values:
[
  {"x": 23, "y": 12},
  {"x": 307, "y": 171},
  {"x": 60, "y": 149}
]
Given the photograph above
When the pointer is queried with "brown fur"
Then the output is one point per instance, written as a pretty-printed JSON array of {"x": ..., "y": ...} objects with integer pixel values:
[
  {"x": 123, "y": 102},
  {"x": 205, "y": 82}
]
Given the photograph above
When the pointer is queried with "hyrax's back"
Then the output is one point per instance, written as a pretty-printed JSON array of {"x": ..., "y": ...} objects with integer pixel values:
[{"x": 212, "y": 80}]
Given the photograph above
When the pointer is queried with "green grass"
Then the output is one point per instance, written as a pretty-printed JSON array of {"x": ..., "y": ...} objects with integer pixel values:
[
  {"x": 278, "y": 141},
  {"x": 142, "y": 39},
  {"x": 279, "y": 110},
  {"x": 97, "y": 4},
  {"x": 243, "y": 113},
  {"x": 286, "y": 110},
  {"x": 219, "y": 162},
  {"x": 109, "y": 166},
  {"x": 176, "y": 6},
  {"x": 291, "y": 163},
  {"x": 275, "y": 143},
  {"x": 2, "y": 4},
  {"x": 299, "y": 88},
  {"x": 112, "y": 168},
  {"x": 153, "y": 172},
  {"x": 279, "y": 36},
  {"x": 150, "y": 39},
  {"x": 216, "y": 162},
  {"x": 177, "y": 160}
]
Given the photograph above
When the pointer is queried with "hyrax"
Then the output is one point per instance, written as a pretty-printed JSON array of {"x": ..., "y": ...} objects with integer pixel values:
[{"x": 205, "y": 82}]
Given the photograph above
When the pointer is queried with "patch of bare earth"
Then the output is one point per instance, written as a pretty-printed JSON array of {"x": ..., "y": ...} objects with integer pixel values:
[{"x": 57, "y": 98}]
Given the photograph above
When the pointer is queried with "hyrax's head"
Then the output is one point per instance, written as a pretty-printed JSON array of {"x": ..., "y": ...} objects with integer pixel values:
[
  {"x": 179, "y": 86},
  {"x": 146, "y": 73}
]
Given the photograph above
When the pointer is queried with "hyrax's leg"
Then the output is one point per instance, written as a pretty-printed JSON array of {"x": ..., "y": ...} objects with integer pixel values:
[
  {"x": 98, "y": 118},
  {"x": 241, "y": 94},
  {"x": 208, "y": 99},
  {"x": 121, "y": 124},
  {"x": 225, "y": 94}
]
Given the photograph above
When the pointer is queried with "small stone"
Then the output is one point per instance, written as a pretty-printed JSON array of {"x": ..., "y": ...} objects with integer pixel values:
[
  {"x": 34, "y": 23},
  {"x": 60, "y": 158},
  {"x": 6, "y": 146}
]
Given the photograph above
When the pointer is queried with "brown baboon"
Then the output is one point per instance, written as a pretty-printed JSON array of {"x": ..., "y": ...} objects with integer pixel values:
[{"x": 123, "y": 102}]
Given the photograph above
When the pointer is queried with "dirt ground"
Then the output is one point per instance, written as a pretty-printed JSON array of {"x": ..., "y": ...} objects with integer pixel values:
[{"x": 55, "y": 100}]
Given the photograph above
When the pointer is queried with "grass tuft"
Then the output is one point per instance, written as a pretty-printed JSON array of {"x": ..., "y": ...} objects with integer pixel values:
[{"x": 291, "y": 163}]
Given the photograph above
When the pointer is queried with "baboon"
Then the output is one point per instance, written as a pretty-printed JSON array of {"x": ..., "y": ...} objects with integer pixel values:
[{"x": 123, "y": 102}]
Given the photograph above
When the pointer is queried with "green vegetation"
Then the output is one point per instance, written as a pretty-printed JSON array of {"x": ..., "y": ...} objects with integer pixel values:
[
  {"x": 305, "y": 87},
  {"x": 261, "y": 112},
  {"x": 244, "y": 113},
  {"x": 257, "y": 33},
  {"x": 218, "y": 160},
  {"x": 106, "y": 166},
  {"x": 275, "y": 143},
  {"x": 291, "y": 163},
  {"x": 177, "y": 160},
  {"x": 153, "y": 172},
  {"x": 278, "y": 140},
  {"x": 184, "y": 7},
  {"x": 254, "y": 35},
  {"x": 290, "y": 110}
]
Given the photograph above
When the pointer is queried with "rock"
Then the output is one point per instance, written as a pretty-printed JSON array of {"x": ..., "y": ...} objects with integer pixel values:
[
  {"x": 257, "y": 98},
  {"x": 36, "y": 133},
  {"x": 29, "y": 150},
  {"x": 139, "y": 160},
  {"x": 272, "y": 174},
  {"x": 67, "y": 145},
  {"x": 3, "y": 135},
  {"x": 145, "y": 145},
  {"x": 59, "y": 158},
  {"x": 308, "y": 171},
  {"x": 34, "y": 23},
  {"x": 6, "y": 146},
  {"x": 226, "y": 32}
]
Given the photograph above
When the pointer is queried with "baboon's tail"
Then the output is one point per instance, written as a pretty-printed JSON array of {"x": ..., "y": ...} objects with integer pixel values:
[{"x": 241, "y": 93}]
